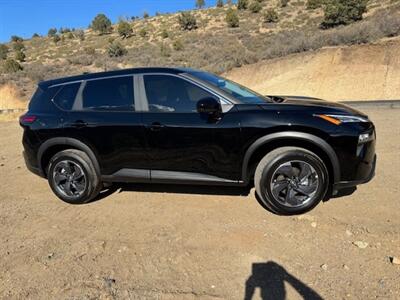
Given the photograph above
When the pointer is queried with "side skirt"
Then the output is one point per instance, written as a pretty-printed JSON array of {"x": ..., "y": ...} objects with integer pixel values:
[{"x": 171, "y": 177}]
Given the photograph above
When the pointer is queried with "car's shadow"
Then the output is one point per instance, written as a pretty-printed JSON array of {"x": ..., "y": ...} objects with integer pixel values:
[{"x": 172, "y": 189}]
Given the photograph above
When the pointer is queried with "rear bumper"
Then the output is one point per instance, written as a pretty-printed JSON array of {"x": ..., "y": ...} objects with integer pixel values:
[
  {"x": 349, "y": 184},
  {"x": 29, "y": 165}
]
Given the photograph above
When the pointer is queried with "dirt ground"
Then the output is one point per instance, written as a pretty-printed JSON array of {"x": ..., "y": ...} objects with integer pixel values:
[{"x": 197, "y": 243}]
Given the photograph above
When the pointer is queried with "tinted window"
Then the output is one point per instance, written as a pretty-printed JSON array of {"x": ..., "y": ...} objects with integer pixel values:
[
  {"x": 172, "y": 94},
  {"x": 109, "y": 94},
  {"x": 41, "y": 100},
  {"x": 66, "y": 96}
]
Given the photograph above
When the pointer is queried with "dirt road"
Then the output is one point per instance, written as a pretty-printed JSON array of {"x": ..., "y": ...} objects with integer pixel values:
[{"x": 183, "y": 245}]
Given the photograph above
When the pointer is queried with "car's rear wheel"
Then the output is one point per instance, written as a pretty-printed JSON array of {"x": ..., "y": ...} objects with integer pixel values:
[
  {"x": 72, "y": 177},
  {"x": 291, "y": 180}
]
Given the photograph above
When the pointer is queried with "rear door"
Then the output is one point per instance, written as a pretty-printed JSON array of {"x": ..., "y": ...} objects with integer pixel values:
[
  {"x": 104, "y": 116},
  {"x": 181, "y": 142}
]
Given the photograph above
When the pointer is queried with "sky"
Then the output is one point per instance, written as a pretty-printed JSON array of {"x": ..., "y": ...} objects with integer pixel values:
[{"x": 26, "y": 17}]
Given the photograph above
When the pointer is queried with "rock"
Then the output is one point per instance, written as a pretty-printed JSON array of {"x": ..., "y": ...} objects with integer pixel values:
[
  {"x": 395, "y": 260},
  {"x": 324, "y": 267},
  {"x": 314, "y": 224},
  {"x": 360, "y": 244},
  {"x": 50, "y": 255},
  {"x": 349, "y": 233},
  {"x": 1, "y": 165},
  {"x": 346, "y": 267},
  {"x": 109, "y": 281}
]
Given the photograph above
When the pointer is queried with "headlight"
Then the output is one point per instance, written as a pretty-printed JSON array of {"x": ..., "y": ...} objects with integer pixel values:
[{"x": 339, "y": 119}]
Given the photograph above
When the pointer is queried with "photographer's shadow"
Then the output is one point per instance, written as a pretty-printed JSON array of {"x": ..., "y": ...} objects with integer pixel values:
[{"x": 270, "y": 278}]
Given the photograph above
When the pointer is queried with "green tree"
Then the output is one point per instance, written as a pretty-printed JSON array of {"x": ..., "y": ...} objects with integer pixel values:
[
  {"x": 200, "y": 3},
  {"x": 255, "y": 7},
  {"x": 11, "y": 66},
  {"x": 343, "y": 12},
  {"x": 232, "y": 18},
  {"x": 20, "y": 55},
  {"x": 242, "y": 4},
  {"x": 115, "y": 49},
  {"x": 124, "y": 29},
  {"x": 220, "y": 3},
  {"x": 35, "y": 35},
  {"x": 3, "y": 51},
  {"x": 145, "y": 15},
  {"x": 187, "y": 21},
  {"x": 271, "y": 16},
  {"x": 16, "y": 38},
  {"x": 52, "y": 32},
  {"x": 102, "y": 24}
]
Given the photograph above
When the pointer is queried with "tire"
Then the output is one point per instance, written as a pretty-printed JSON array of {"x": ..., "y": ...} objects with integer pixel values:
[
  {"x": 290, "y": 181},
  {"x": 73, "y": 177}
]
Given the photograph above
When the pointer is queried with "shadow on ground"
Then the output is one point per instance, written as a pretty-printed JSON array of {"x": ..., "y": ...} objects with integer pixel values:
[{"x": 270, "y": 279}]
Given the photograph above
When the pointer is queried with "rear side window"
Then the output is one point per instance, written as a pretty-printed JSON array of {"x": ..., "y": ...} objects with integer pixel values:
[
  {"x": 65, "y": 98},
  {"x": 114, "y": 94},
  {"x": 41, "y": 99}
]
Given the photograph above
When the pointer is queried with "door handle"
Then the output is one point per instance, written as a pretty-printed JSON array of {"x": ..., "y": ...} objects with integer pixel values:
[
  {"x": 79, "y": 124},
  {"x": 156, "y": 126}
]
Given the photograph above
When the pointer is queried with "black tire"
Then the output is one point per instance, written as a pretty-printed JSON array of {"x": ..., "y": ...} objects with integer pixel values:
[
  {"x": 79, "y": 161},
  {"x": 290, "y": 158}
]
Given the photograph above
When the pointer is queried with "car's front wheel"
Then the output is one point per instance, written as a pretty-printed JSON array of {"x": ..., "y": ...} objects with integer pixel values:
[
  {"x": 72, "y": 177},
  {"x": 291, "y": 180}
]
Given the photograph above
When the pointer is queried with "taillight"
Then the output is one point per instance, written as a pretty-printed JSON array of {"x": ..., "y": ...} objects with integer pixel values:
[{"x": 27, "y": 119}]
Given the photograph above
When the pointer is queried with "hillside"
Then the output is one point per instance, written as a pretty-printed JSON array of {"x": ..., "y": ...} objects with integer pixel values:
[
  {"x": 213, "y": 46},
  {"x": 362, "y": 72}
]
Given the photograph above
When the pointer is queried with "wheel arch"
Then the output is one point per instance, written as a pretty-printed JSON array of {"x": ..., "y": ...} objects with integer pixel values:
[
  {"x": 54, "y": 145},
  {"x": 308, "y": 141}
]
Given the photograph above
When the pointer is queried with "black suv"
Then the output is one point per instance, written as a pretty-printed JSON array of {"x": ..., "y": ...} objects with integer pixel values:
[{"x": 173, "y": 125}]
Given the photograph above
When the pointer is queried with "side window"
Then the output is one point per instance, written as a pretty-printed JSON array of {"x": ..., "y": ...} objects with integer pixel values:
[
  {"x": 109, "y": 94},
  {"x": 64, "y": 99},
  {"x": 172, "y": 94}
]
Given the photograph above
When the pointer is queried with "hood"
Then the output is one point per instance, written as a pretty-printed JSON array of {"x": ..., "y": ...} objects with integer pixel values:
[{"x": 316, "y": 102}]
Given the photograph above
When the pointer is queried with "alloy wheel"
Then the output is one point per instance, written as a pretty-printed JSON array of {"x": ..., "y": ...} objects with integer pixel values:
[{"x": 69, "y": 178}]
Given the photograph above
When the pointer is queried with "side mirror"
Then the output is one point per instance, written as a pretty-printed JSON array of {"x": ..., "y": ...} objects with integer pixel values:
[{"x": 209, "y": 106}]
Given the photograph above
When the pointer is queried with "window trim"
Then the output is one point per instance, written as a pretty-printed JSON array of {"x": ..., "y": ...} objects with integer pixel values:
[
  {"x": 78, "y": 102},
  {"x": 61, "y": 87},
  {"x": 226, "y": 105}
]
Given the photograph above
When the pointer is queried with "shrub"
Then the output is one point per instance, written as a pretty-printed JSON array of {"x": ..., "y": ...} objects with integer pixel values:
[
  {"x": 220, "y": 3},
  {"x": 143, "y": 32},
  {"x": 271, "y": 16},
  {"x": 164, "y": 34},
  {"x": 11, "y": 66},
  {"x": 255, "y": 7},
  {"x": 35, "y": 35},
  {"x": 200, "y": 3},
  {"x": 56, "y": 39},
  {"x": 314, "y": 4},
  {"x": 19, "y": 46},
  {"x": 178, "y": 45},
  {"x": 124, "y": 29},
  {"x": 115, "y": 49},
  {"x": 343, "y": 12},
  {"x": 242, "y": 4},
  {"x": 101, "y": 23},
  {"x": 80, "y": 34},
  {"x": 187, "y": 21},
  {"x": 3, "y": 51},
  {"x": 165, "y": 50},
  {"x": 232, "y": 18},
  {"x": 145, "y": 15},
  {"x": 70, "y": 35},
  {"x": 284, "y": 3},
  {"x": 20, "y": 55},
  {"x": 52, "y": 32},
  {"x": 90, "y": 50}
]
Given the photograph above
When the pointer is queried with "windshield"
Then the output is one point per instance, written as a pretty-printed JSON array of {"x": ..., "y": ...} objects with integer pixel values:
[{"x": 243, "y": 94}]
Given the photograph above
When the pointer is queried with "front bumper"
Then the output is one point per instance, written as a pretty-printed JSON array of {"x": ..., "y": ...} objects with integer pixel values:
[{"x": 349, "y": 184}]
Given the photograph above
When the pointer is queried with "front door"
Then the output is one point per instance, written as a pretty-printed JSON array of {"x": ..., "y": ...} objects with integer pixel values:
[{"x": 182, "y": 143}]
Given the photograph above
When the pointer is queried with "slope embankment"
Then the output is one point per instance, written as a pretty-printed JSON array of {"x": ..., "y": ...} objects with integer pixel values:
[{"x": 361, "y": 72}]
